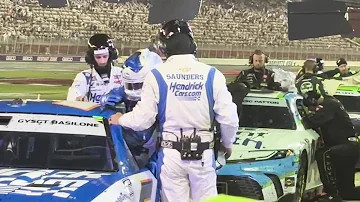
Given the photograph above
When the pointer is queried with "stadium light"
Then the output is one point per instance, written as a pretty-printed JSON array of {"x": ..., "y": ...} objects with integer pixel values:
[
  {"x": 160, "y": 10},
  {"x": 165, "y": 10},
  {"x": 322, "y": 17}
]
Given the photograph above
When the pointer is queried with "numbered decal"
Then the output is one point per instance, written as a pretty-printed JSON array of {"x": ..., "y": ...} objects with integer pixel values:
[
  {"x": 252, "y": 138},
  {"x": 40, "y": 182}
]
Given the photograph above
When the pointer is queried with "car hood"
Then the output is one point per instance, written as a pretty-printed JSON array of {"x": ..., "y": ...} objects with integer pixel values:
[
  {"x": 53, "y": 185},
  {"x": 258, "y": 143}
]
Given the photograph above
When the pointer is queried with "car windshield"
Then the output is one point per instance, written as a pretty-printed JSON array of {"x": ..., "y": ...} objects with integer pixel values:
[
  {"x": 55, "y": 151},
  {"x": 275, "y": 117},
  {"x": 351, "y": 103},
  {"x": 54, "y": 142}
]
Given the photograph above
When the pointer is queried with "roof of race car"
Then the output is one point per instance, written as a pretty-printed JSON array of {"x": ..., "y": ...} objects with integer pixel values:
[
  {"x": 271, "y": 94},
  {"x": 266, "y": 94},
  {"x": 70, "y": 108},
  {"x": 268, "y": 98}
]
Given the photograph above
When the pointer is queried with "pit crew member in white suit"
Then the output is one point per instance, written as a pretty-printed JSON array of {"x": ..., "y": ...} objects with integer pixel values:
[
  {"x": 91, "y": 84},
  {"x": 184, "y": 96}
]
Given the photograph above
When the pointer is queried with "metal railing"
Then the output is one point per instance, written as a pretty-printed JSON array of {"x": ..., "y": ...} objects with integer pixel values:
[{"x": 78, "y": 47}]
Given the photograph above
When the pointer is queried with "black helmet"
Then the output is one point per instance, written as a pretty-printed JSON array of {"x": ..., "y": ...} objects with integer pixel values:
[
  {"x": 341, "y": 61},
  {"x": 173, "y": 27},
  {"x": 311, "y": 98},
  {"x": 99, "y": 42},
  {"x": 172, "y": 33}
]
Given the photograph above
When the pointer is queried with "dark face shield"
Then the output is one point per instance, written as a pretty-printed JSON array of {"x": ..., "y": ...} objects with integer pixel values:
[{"x": 133, "y": 86}]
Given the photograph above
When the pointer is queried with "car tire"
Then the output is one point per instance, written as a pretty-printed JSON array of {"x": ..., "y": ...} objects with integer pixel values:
[{"x": 301, "y": 179}]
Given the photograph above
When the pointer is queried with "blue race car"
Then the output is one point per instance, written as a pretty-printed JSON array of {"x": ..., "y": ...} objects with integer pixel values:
[
  {"x": 61, "y": 151},
  {"x": 274, "y": 152}
]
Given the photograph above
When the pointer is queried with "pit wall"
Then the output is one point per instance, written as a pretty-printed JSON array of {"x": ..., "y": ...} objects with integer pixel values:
[{"x": 212, "y": 61}]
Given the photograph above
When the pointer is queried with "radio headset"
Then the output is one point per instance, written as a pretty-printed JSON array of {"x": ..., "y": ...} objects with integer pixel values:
[{"x": 89, "y": 58}]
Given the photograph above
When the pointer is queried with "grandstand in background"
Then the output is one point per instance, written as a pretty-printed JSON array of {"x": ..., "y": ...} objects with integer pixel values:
[{"x": 223, "y": 29}]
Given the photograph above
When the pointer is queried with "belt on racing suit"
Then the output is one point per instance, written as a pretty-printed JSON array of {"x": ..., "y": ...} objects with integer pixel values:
[{"x": 190, "y": 148}]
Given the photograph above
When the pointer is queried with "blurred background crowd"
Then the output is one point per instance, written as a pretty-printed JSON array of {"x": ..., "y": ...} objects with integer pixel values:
[{"x": 239, "y": 23}]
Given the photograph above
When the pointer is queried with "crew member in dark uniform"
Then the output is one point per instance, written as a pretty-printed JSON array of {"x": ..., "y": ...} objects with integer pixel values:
[
  {"x": 308, "y": 81},
  {"x": 337, "y": 160},
  {"x": 318, "y": 70},
  {"x": 344, "y": 70},
  {"x": 258, "y": 76},
  {"x": 238, "y": 91}
]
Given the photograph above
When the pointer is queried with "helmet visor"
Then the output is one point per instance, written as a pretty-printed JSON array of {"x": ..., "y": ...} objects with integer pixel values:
[{"x": 133, "y": 86}]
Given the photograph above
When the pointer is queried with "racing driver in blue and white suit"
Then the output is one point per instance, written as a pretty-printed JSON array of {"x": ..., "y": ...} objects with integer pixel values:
[
  {"x": 136, "y": 67},
  {"x": 184, "y": 96}
]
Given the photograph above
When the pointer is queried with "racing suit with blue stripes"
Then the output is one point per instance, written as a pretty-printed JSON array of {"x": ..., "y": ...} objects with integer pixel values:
[
  {"x": 185, "y": 94},
  {"x": 93, "y": 86}
]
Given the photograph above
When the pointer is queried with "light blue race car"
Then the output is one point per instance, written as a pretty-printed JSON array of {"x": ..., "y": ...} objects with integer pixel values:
[
  {"x": 60, "y": 151},
  {"x": 274, "y": 151}
]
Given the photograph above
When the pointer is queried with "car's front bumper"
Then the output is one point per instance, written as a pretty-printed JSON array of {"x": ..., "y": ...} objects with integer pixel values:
[{"x": 261, "y": 180}]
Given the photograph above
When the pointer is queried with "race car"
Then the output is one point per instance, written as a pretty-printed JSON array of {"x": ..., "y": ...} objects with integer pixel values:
[
  {"x": 64, "y": 151},
  {"x": 274, "y": 151},
  {"x": 349, "y": 96}
]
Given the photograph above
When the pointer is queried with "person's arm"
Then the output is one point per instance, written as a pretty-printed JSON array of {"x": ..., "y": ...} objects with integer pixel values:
[
  {"x": 329, "y": 74},
  {"x": 114, "y": 97},
  {"x": 272, "y": 85},
  {"x": 299, "y": 74},
  {"x": 242, "y": 76},
  {"x": 352, "y": 72},
  {"x": 225, "y": 110},
  {"x": 79, "y": 87},
  {"x": 318, "y": 85},
  {"x": 143, "y": 116},
  {"x": 322, "y": 115},
  {"x": 238, "y": 92}
]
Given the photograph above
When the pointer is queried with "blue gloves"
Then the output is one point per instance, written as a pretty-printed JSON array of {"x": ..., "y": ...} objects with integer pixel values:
[
  {"x": 112, "y": 100},
  {"x": 114, "y": 97}
]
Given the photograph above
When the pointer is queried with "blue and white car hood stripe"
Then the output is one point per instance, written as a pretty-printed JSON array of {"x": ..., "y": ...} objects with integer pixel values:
[{"x": 54, "y": 185}]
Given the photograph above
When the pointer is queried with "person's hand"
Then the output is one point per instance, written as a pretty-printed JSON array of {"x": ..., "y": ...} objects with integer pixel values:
[
  {"x": 113, "y": 100},
  {"x": 250, "y": 79},
  {"x": 114, "y": 119},
  {"x": 227, "y": 151},
  {"x": 82, "y": 98},
  {"x": 114, "y": 97}
]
